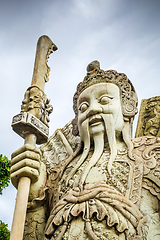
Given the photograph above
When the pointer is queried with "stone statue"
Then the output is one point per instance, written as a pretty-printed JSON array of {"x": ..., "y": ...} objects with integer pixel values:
[
  {"x": 149, "y": 118},
  {"x": 92, "y": 180}
]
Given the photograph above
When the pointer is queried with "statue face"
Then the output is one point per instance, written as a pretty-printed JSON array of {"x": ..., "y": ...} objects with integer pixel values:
[{"x": 97, "y": 100}]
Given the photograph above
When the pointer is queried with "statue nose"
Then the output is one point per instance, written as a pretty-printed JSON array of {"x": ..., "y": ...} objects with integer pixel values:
[{"x": 94, "y": 110}]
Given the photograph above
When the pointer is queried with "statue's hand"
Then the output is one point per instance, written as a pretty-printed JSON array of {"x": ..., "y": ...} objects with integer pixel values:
[{"x": 25, "y": 162}]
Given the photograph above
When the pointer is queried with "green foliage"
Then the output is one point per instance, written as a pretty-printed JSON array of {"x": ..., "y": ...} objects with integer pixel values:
[
  {"x": 4, "y": 232},
  {"x": 5, "y": 164}
]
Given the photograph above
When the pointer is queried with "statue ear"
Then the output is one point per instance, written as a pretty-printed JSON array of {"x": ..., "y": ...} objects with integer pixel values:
[
  {"x": 75, "y": 130},
  {"x": 129, "y": 108}
]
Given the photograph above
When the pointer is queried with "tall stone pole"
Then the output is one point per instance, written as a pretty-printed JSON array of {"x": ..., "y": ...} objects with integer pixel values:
[{"x": 32, "y": 125}]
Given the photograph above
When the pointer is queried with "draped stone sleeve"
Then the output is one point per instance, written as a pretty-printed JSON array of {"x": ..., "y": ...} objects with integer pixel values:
[
  {"x": 151, "y": 177},
  {"x": 148, "y": 148}
]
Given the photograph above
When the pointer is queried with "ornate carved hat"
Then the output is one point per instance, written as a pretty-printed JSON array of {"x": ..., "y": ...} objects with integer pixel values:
[{"x": 96, "y": 75}]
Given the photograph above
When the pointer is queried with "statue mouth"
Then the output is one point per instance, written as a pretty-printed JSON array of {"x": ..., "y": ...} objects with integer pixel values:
[{"x": 95, "y": 120}]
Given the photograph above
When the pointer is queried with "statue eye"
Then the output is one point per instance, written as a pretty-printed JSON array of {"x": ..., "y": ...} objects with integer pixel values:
[
  {"x": 105, "y": 100},
  {"x": 83, "y": 107}
]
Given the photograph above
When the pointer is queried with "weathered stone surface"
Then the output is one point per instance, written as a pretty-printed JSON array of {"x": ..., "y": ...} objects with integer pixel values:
[
  {"x": 95, "y": 182},
  {"x": 149, "y": 118},
  {"x": 32, "y": 125}
]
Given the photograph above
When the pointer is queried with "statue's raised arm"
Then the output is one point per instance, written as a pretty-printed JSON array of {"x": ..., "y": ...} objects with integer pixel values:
[{"x": 93, "y": 181}]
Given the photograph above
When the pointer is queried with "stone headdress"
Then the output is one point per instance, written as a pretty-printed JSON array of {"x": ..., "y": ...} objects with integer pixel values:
[{"x": 96, "y": 75}]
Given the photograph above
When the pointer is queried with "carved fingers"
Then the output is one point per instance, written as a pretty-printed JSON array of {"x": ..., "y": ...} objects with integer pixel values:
[{"x": 25, "y": 163}]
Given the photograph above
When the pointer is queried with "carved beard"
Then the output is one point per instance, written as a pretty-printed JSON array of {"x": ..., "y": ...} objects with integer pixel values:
[
  {"x": 85, "y": 137},
  {"x": 99, "y": 146},
  {"x": 98, "y": 140},
  {"x": 110, "y": 131}
]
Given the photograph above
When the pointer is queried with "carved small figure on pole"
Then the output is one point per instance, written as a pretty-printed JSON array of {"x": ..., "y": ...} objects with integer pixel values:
[{"x": 32, "y": 125}]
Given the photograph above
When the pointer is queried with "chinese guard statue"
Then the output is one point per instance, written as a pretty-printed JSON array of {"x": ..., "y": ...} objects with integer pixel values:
[{"x": 91, "y": 180}]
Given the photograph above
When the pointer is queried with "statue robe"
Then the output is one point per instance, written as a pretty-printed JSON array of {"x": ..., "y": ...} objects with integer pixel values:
[{"x": 124, "y": 205}]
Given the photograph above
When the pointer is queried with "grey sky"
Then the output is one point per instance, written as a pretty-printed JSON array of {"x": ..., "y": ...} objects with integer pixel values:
[{"x": 122, "y": 34}]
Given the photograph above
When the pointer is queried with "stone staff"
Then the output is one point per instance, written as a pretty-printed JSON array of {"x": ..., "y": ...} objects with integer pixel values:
[{"x": 32, "y": 125}]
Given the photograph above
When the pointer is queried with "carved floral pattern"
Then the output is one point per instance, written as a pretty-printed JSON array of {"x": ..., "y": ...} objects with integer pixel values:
[
  {"x": 53, "y": 151},
  {"x": 149, "y": 118},
  {"x": 36, "y": 103},
  {"x": 35, "y": 225},
  {"x": 56, "y": 149},
  {"x": 73, "y": 141},
  {"x": 151, "y": 122}
]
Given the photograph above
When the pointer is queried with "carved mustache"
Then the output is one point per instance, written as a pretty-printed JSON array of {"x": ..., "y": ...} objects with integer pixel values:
[{"x": 95, "y": 119}]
